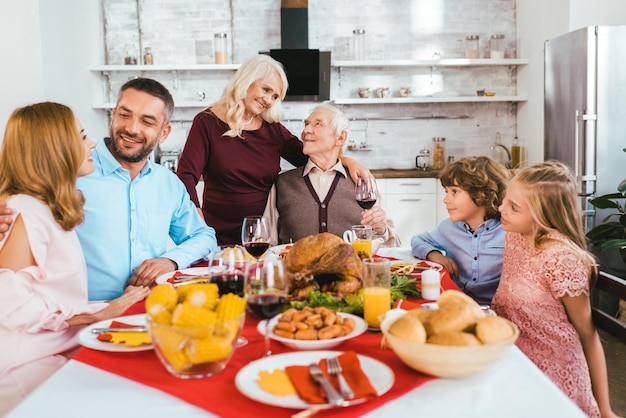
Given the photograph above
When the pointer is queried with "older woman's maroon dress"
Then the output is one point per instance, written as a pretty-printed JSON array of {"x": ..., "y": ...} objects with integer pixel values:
[{"x": 237, "y": 172}]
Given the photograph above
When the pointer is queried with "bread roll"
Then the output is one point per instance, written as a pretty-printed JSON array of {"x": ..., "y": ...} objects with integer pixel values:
[
  {"x": 454, "y": 338},
  {"x": 457, "y": 312},
  {"x": 422, "y": 314},
  {"x": 493, "y": 329},
  {"x": 408, "y": 328}
]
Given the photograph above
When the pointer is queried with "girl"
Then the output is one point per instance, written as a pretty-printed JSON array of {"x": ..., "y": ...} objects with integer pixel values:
[
  {"x": 43, "y": 278},
  {"x": 471, "y": 238},
  {"x": 545, "y": 284}
]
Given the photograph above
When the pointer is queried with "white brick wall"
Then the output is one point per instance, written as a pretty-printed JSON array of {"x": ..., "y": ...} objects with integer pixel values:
[{"x": 395, "y": 29}]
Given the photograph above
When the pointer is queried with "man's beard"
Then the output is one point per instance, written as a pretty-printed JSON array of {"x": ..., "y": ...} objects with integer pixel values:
[{"x": 122, "y": 153}]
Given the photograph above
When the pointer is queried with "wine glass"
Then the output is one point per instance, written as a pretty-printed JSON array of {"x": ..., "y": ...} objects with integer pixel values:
[
  {"x": 228, "y": 269},
  {"x": 366, "y": 191},
  {"x": 266, "y": 291},
  {"x": 255, "y": 235}
]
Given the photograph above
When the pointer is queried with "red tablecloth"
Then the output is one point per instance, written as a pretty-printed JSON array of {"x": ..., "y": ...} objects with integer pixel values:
[{"x": 219, "y": 395}]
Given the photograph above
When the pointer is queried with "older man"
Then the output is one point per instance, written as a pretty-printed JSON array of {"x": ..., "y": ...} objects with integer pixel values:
[
  {"x": 320, "y": 197},
  {"x": 132, "y": 204}
]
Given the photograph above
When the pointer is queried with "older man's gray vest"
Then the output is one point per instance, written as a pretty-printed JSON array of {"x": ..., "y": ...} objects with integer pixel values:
[{"x": 301, "y": 214}]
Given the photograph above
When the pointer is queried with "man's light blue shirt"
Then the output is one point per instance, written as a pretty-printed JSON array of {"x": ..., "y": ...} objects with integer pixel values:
[
  {"x": 478, "y": 254},
  {"x": 129, "y": 221}
]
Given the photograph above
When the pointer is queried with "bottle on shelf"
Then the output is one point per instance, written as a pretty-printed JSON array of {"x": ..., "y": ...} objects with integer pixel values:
[
  {"x": 148, "y": 59},
  {"x": 516, "y": 154}
]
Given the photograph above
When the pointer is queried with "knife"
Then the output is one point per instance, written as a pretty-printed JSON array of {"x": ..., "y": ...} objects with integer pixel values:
[
  {"x": 332, "y": 395},
  {"x": 138, "y": 328}
]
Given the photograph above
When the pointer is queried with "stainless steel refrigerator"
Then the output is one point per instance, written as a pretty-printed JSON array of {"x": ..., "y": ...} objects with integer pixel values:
[{"x": 585, "y": 109}]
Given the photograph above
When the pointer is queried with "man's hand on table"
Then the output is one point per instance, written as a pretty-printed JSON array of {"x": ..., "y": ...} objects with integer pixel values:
[{"x": 149, "y": 270}]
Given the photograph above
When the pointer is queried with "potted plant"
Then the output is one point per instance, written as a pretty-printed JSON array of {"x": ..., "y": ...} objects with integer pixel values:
[{"x": 610, "y": 235}]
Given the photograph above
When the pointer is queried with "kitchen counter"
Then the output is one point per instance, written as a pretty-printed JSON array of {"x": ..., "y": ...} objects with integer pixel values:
[{"x": 396, "y": 174}]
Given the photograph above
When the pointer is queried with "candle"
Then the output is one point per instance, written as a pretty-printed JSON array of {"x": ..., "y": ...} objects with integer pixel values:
[{"x": 431, "y": 281}]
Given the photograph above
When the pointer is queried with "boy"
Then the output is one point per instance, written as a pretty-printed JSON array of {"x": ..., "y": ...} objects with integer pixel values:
[{"x": 470, "y": 243}]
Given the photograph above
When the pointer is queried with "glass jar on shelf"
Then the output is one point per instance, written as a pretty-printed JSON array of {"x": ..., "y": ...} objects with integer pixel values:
[
  {"x": 439, "y": 152},
  {"x": 358, "y": 44},
  {"x": 496, "y": 47},
  {"x": 148, "y": 58},
  {"x": 471, "y": 47},
  {"x": 220, "y": 48}
]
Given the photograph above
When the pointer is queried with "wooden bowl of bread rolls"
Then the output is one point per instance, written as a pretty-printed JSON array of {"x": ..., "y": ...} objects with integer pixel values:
[{"x": 457, "y": 339}]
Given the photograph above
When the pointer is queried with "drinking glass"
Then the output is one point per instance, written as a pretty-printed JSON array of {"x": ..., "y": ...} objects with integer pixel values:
[
  {"x": 376, "y": 291},
  {"x": 228, "y": 268},
  {"x": 366, "y": 191},
  {"x": 266, "y": 291},
  {"x": 255, "y": 235}
]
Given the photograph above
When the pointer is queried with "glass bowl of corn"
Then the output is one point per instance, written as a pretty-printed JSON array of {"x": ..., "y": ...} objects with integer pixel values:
[{"x": 193, "y": 331}]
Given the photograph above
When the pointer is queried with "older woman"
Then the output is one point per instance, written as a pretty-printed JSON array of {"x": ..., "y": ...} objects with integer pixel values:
[
  {"x": 320, "y": 197},
  {"x": 235, "y": 146}
]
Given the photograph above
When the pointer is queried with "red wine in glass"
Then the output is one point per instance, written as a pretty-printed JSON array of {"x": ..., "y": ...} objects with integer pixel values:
[
  {"x": 367, "y": 203},
  {"x": 267, "y": 305},
  {"x": 229, "y": 282},
  {"x": 366, "y": 193},
  {"x": 256, "y": 248}
]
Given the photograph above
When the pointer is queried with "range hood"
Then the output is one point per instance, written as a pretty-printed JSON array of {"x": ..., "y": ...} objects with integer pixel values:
[{"x": 308, "y": 70}]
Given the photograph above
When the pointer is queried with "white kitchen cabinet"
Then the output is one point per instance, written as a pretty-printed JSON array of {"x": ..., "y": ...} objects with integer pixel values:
[{"x": 412, "y": 205}]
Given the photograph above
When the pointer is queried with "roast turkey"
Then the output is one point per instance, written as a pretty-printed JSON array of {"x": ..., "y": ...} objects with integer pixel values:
[{"x": 323, "y": 261}]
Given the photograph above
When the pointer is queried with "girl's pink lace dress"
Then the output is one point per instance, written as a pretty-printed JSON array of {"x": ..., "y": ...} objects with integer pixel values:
[{"x": 529, "y": 293}]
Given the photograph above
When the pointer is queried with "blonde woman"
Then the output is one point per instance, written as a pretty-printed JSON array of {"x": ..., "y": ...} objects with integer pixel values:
[
  {"x": 43, "y": 278},
  {"x": 545, "y": 284},
  {"x": 235, "y": 146}
]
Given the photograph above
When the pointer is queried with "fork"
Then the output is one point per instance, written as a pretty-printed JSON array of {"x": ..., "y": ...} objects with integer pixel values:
[{"x": 334, "y": 368}]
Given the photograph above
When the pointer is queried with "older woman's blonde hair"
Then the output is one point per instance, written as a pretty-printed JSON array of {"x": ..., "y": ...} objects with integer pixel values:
[
  {"x": 41, "y": 153},
  {"x": 257, "y": 68},
  {"x": 551, "y": 193}
]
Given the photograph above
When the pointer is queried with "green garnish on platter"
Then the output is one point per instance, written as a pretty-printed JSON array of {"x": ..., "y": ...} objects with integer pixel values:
[{"x": 402, "y": 287}]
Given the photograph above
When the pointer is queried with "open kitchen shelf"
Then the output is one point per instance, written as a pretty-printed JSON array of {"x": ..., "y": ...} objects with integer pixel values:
[
  {"x": 433, "y": 63},
  {"x": 167, "y": 67},
  {"x": 447, "y": 62},
  {"x": 431, "y": 99}
]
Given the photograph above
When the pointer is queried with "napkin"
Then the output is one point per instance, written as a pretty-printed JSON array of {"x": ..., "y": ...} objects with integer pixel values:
[{"x": 310, "y": 392}]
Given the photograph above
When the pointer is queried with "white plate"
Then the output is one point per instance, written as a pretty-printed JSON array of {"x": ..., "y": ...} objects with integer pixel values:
[
  {"x": 193, "y": 270},
  {"x": 417, "y": 273},
  {"x": 88, "y": 339},
  {"x": 360, "y": 328},
  {"x": 378, "y": 373},
  {"x": 278, "y": 249}
]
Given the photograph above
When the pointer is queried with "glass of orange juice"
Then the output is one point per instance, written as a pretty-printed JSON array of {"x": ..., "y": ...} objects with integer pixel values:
[
  {"x": 376, "y": 291},
  {"x": 361, "y": 239}
]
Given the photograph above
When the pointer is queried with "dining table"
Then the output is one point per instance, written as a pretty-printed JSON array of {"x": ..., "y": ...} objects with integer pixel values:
[{"x": 134, "y": 384}]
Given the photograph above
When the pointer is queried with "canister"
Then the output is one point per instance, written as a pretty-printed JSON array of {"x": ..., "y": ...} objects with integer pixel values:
[
  {"x": 358, "y": 44},
  {"x": 471, "y": 46},
  {"x": 148, "y": 58},
  {"x": 220, "y": 48},
  {"x": 496, "y": 46},
  {"x": 439, "y": 152}
]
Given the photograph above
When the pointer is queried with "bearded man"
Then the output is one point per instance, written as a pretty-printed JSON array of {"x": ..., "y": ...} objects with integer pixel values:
[{"x": 133, "y": 204}]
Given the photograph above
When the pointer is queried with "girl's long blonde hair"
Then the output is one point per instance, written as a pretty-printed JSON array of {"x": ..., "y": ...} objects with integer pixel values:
[
  {"x": 41, "y": 153},
  {"x": 259, "y": 67},
  {"x": 551, "y": 193}
]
